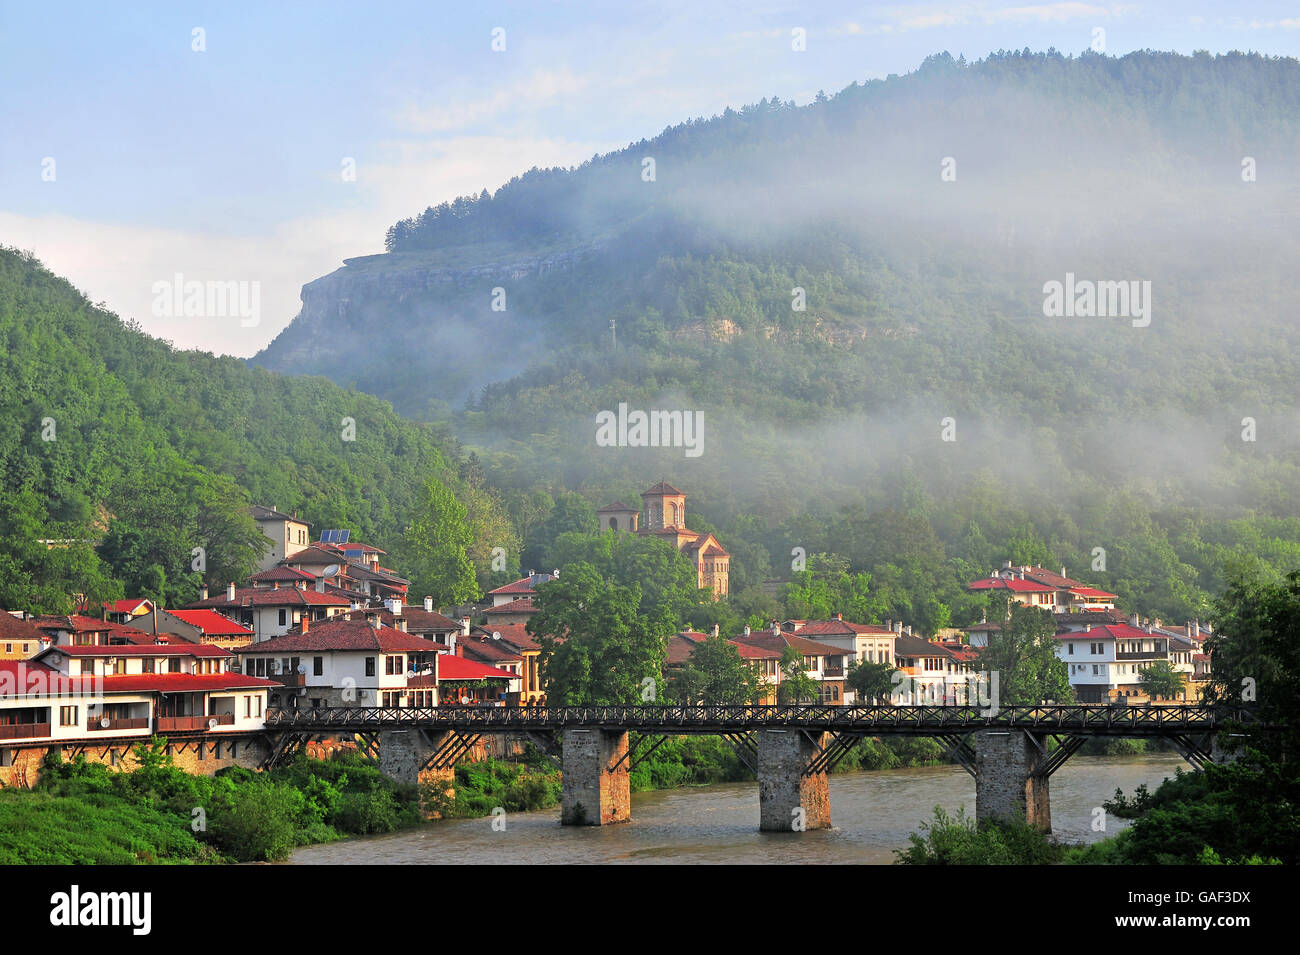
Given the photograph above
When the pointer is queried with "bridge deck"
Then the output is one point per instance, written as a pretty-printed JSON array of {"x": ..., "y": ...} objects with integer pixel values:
[{"x": 1074, "y": 719}]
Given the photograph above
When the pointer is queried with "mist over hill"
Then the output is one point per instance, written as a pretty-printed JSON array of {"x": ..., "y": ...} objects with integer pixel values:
[{"x": 919, "y": 221}]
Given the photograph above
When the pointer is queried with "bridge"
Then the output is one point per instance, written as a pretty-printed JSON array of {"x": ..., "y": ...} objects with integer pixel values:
[{"x": 1011, "y": 751}]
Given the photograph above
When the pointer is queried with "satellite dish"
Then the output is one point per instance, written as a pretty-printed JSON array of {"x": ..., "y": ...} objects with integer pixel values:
[
  {"x": 213, "y": 723},
  {"x": 104, "y": 722},
  {"x": 464, "y": 701},
  {"x": 496, "y": 634},
  {"x": 331, "y": 571}
]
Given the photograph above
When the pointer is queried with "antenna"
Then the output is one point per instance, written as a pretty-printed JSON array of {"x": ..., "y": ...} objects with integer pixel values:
[{"x": 613, "y": 331}]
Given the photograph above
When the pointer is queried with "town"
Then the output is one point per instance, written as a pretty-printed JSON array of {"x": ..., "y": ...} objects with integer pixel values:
[{"x": 323, "y": 623}]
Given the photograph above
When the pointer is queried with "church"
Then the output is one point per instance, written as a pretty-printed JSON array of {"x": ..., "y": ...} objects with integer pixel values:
[{"x": 663, "y": 514}]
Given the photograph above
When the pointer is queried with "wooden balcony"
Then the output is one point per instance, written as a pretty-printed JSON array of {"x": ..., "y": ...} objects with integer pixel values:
[
  {"x": 182, "y": 724},
  {"x": 290, "y": 679},
  {"x": 132, "y": 723},
  {"x": 24, "y": 730}
]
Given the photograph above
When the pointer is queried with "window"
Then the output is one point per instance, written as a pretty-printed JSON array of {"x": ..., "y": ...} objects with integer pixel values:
[
  {"x": 259, "y": 706},
  {"x": 146, "y": 665},
  {"x": 318, "y": 666},
  {"x": 248, "y": 707},
  {"x": 67, "y": 716},
  {"x": 1069, "y": 648},
  {"x": 284, "y": 617},
  {"x": 87, "y": 667},
  {"x": 9, "y": 648},
  {"x": 261, "y": 666},
  {"x": 370, "y": 666},
  {"x": 1094, "y": 669}
]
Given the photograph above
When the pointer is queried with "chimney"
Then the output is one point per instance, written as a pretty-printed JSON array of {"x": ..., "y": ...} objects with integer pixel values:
[
  {"x": 464, "y": 626},
  {"x": 320, "y": 585},
  {"x": 747, "y": 630},
  {"x": 306, "y": 622},
  {"x": 203, "y": 592},
  {"x": 394, "y": 606},
  {"x": 230, "y": 591},
  {"x": 839, "y": 616},
  {"x": 1006, "y": 565},
  {"x": 1063, "y": 573},
  {"x": 428, "y": 604},
  {"x": 1087, "y": 628},
  {"x": 1147, "y": 627},
  {"x": 776, "y": 629},
  {"x": 1196, "y": 628},
  {"x": 1133, "y": 620},
  {"x": 715, "y": 630},
  {"x": 372, "y": 618}
]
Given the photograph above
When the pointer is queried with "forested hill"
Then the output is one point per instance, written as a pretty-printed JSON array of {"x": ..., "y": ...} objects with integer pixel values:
[
  {"x": 921, "y": 216},
  {"x": 109, "y": 435}
]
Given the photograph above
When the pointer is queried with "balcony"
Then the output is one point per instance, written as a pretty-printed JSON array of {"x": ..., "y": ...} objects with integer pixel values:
[
  {"x": 1143, "y": 655},
  {"x": 290, "y": 679},
  {"x": 832, "y": 671},
  {"x": 24, "y": 730},
  {"x": 182, "y": 724},
  {"x": 132, "y": 723}
]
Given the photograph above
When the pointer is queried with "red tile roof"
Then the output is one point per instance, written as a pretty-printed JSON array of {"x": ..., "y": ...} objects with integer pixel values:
[
  {"x": 11, "y": 628},
  {"x": 1109, "y": 631},
  {"x": 327, "y": 635},
  {"x": 418, "y": 619},
  {"x": 767, "y": 640},
  {"x": 522, "y": 605},
  {"x": 1007, "y": 583},
  {"x": 127, "y": 606},
  {"x": 522, "y": 586},
  {"x": 513, "y": 633},
  {"x": 1092, "y": 592},
  {"x": 183, "y": 649},
  {"x": 489, "y": 650},
  {"x": 617, "y": 506},
  {"x": 182, "y": 682},
  {"x": 211, "y": 623},
  {"x": 276, "y": 574},
  {"x": 271, "y": 597}
]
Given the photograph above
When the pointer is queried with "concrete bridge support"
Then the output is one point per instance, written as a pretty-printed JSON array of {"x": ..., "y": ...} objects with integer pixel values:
[
  {"x": 788, "y": 800},
  {"x": 1009, "y": 783},
  {"x": 595, "y": 790}
]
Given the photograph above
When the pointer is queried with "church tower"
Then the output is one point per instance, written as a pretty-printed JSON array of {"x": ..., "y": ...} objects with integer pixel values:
[{"x": 663, "y": 507}]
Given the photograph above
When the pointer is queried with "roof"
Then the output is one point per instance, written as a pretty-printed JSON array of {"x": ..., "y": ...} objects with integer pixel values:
[
  {"x": 663, "y": 487},
  {"x": 127, "y": 606},
  {"x": 417, "y": 619},
  {"x": 1111, "y": 631},
  {"x": 489, "y": 650},
  {"x": 523, "y": 585},
  {"x": 908, "y": 646},
  {"x": 616, "y": 506},
  {"x": 281, "y": 573},
  {"x": 458, "y": 668},
  {"x": 186, "y": 649},
  {"x": 513, "y": 633},
  {"x": 1092, "y": 592},
  {"x": 11, "y": 628},
  {"x": 831, "y": 628},
  {"x": 211, "y": 623},
  {"x": 767, "y": 640},
  {"x": 261, "y": 513},
  {"x": 272, "y": 597},
  {"x": 182, "y": 682},
  {"x": 681, "y": 645},
  {"x": 522, "y": 605},
  {"x": 1049, "y": 577},
  {"x": 347, "y": 635},
  {"x": 1014, "y": 584},
  {"x": 315, "y": 554}
]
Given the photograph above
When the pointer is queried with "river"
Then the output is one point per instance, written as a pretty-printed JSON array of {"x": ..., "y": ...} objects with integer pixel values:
[{"x": 872, "y": 814}]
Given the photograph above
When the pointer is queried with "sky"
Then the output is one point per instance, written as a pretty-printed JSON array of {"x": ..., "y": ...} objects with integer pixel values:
[{"x": 150, "y": 147}]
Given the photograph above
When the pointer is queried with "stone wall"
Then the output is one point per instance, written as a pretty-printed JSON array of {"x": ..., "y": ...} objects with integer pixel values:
[
  {"x": 591, "y": 794},
  {"x": 199, "y": 756},
  {"x": 1005, "y": 786}
]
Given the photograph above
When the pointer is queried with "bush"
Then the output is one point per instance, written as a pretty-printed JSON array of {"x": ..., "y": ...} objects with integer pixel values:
[{"x": 957, "y": 840}]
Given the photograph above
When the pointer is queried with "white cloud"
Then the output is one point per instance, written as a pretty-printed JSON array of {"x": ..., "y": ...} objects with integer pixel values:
[{"x": 538, "y": 89}]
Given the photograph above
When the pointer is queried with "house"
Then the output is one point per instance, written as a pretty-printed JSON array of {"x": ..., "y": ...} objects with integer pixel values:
[
  {"x": 197, "y": 626},
  {"x": 520, "y": 589},
  {"x": 663, "y": 515},
  {"x": 287, "y": 533},
  {"x": 490, "y": 650},
  {"x": 1040, "y": 587},
  {"x": 821, "y": 662},
  {"x": 935, "y": 674},
  {"x": 516, "y": 611},
  {"x": 79, "y": 630},
  {"x": 343, "y": 662},
  {"x": 271, "y": 612},
  {"x": 532, "y": 688},
  {"x": 19, "y": 638},
  {"x": 461, "y": 680},
  {"x": 1106, "y": 661},
  {"x": 122, "y": 611}
]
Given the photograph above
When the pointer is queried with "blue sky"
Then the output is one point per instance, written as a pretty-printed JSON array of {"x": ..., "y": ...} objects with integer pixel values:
[{"x": 226, "y": 163}]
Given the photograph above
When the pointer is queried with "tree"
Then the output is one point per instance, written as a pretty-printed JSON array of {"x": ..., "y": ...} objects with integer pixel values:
[
  {"x": 870, "y": 682},
  {"x": 598, "y": 648},
  {"x": 572, "y": 514},
  {"x": 667, "y": 579},
  {"x": 716, "y": 674},
  {"x": 1161, "y": 680},
  {"x": 437, "y": 541},
  {"x": 796, "y": 685},
  {"x": 1023, "y": 655}
]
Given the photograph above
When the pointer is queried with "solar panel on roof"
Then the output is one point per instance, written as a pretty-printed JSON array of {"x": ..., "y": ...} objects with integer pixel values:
[{"x": 343, "y": 536}]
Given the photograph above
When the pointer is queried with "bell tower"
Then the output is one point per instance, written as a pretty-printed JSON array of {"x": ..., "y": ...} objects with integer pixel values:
[{"x": 663, "y": 507}]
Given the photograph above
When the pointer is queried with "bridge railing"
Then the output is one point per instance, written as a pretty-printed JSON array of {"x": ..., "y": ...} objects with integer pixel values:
[{"x": 1070, "y": 717}]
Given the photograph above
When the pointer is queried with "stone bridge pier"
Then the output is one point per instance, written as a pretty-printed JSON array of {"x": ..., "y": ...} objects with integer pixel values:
[
  {"x": 790, "y": 799},
  {"x": 594, "y": 788},
  {"x": 1010, "y": 782},
  {"x": 404, "y": 753}
]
